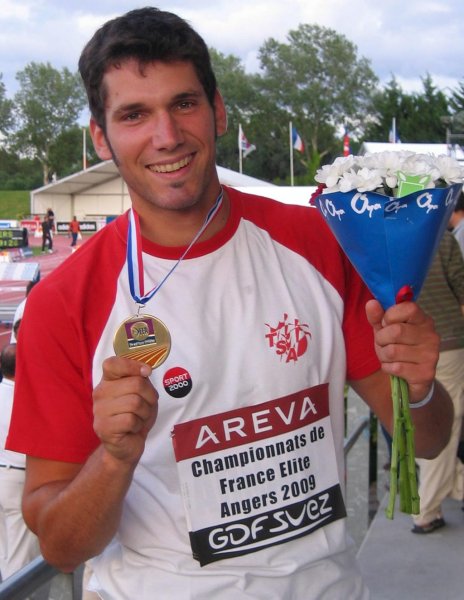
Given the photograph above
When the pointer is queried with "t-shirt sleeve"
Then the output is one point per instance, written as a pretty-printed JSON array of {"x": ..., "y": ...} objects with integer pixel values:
[
  {"x": 358, "y": 333},
  {"x": 52, "y": 412}
]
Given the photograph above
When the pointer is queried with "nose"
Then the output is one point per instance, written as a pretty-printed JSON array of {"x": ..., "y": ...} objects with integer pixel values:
[{"x": 167, "y": 134}]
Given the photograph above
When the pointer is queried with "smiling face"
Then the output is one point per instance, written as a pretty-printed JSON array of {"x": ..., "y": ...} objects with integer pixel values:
[{"x": 161, "y": 132}]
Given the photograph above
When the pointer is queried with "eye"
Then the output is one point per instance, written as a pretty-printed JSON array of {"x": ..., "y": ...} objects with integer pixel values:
[
  {"x": 133, "y": 116},
  {"x": 185, "y": 105}
]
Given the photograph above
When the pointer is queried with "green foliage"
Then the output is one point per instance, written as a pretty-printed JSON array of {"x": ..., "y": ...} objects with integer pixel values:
[
  {"x": 240, "y": 98},
  {"x": 316, "y": 80},
  {"x": 418, "y": 115},
  {"x": 48, "y": 103},
  {"x": 14, "y": 204},
  {"x": 457, "y": 98},
  {"x": 17, "y": 173},
  {"x": 66, "y": 152},
  {"x": 6, "y": 106},
  {"x": 319, "y": 83}
]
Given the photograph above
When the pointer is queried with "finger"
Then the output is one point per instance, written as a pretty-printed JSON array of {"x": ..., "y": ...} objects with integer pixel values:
[
  {"x": 141, "y": 406},
  {"x": 405, "y": 312},
  {"x": 375, "y": 313},
  {"x": 119, "y": 425},
  {"x": 117, "y": 367}
]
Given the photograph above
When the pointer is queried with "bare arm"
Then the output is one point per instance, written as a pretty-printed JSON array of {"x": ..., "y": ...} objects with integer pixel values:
[
  {"x": 75, "y": 509},
  {"x": 407, "y": 346}
]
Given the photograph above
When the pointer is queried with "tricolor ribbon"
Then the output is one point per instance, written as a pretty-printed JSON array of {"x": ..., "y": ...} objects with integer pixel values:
[{"x": 134, "y": 254}]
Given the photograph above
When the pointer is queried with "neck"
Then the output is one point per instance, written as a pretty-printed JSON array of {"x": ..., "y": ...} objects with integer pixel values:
[{"x": 177, "y": 228}]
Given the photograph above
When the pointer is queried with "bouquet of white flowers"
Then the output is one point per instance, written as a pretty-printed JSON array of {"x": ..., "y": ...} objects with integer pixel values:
[
  {"x": 388, "y": 212},
  {"x": 386, "y": 172}
]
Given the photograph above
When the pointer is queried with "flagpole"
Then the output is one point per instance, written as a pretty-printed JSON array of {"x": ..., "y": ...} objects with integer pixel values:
[
  {"x": 240, "y": 147},
  {"x": 291, "y": 152},
  {"x": 84, "y": 149}
]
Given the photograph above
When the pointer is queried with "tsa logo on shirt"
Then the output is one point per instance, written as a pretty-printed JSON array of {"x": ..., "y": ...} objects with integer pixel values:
[{"x": 289, "y": 338}]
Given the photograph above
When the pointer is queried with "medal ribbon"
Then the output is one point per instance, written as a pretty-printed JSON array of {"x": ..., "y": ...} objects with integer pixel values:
[{"x": 134, "y": 253}]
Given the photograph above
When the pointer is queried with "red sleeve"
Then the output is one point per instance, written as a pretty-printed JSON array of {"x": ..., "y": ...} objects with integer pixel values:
[
  {"x": 64, "y": 316},
  {"x": 359, "y": 336}
]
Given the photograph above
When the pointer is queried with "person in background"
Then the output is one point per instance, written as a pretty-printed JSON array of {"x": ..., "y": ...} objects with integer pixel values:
[
  {"x": 18, "y": 545},
  {"x": 18, "y": 315},
  {"x": 214, "y": 469},
  {"x": 50, "y": 215},
  {"x": 47, "y": 238},
  {"x": 74, "y": 229},
  {"x": 442, "y": 296},
  {"x": 456, "y": 222}
]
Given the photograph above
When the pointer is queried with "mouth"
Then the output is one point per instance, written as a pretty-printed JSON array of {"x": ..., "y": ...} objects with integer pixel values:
[{"x": 171, "y": 167}]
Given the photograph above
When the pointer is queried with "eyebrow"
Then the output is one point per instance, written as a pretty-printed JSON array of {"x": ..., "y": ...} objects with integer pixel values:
[{"x": 139, "y": 106}]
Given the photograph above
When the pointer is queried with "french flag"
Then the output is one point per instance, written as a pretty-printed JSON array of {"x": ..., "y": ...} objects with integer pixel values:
[
  {"x": 244, "y": 145},
  {"x": 297, "y": 141}
]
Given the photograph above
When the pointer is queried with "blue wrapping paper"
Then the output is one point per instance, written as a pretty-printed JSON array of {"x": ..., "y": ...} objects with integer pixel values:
[{"x": 390, "y": 241}]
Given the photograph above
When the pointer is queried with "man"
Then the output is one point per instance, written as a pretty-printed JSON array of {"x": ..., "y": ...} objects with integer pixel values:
[
  {"x": 18, "y": 315},
  {"x": 47, "y": 238},
  {"x": 216, "y": 473},
  {"x": 18, "y": 545},
  {"x": 457, "y": 221},
  {"x": 74, "y": 229},
  {"x": 443, "y": 297}
]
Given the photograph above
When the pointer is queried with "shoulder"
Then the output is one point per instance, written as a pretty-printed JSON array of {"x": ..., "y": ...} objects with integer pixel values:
[
  {"x": 300, "y": 228},
  {"x": 86, "y": 275},
  {"x": 281, "y": 220}
]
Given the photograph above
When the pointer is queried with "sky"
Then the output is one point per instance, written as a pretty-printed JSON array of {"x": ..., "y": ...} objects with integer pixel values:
[{"x": 405, "y": 38}]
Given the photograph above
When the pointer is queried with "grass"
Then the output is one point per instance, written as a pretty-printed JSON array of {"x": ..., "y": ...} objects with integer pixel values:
[{"x": 14, "y": 204}]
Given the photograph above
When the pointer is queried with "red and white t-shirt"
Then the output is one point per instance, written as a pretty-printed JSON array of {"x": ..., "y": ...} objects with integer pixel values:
[{"x": 238, "y": 492}]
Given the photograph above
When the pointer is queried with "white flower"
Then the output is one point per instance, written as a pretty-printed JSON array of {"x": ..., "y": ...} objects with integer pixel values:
[
  {"x": 364, "y": 180},
  {"x": 330, "y": 174},
  {"x": 380, "y": 171},
  {"x": 450, "y": 170}
]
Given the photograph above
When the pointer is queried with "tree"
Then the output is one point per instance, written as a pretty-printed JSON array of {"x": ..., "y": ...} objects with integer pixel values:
[
  {"x": 6, "y": 106},
  {"x": 18, "y": 173},
  {"x": 389, "y": 103},
  {"x": 425, "y": 125},
  {"x": 241, "y": 100},
  {"x": 66, "y": 152},
  {"x": 457, "y": 98},
  {"x": 417, "y": 115},
  {"x": 320, "y": 84},
  {"x": 48, "y": 103}
]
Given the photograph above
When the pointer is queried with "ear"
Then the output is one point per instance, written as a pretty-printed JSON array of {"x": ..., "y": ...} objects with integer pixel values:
[
  {"x": 99, "y": 141},
  {"x": 220, "y": 114}
]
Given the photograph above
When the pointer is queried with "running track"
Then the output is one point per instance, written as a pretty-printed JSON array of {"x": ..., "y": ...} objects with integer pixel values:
[{"x": 12, "y": 292}]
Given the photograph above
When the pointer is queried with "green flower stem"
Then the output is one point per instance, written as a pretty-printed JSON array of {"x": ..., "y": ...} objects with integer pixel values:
[
  {"x": 394, "y": 450},
  {"x": 403, "y": 464},
  {"x": 410, "y": 450}
]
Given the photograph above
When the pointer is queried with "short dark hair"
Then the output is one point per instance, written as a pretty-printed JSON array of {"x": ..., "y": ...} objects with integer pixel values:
[
  {"x": 145, "y": 34},
  {"x": 8, "y": 360}
]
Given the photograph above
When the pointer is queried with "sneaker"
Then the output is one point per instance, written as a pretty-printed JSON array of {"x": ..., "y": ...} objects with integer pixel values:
[{"x": 50, "y": 251}]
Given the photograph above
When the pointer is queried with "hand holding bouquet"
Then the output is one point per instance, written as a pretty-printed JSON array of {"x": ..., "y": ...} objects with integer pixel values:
[{"x": 388, "y": 211}]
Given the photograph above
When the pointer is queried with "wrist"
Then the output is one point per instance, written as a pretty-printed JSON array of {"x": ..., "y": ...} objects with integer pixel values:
[{"x": 425, "y": 400}]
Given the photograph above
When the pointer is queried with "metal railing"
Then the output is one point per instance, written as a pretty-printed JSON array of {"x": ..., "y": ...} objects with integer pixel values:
[
  {"x": 7, "y": 313},
  {"x": 28, "y": 581}
]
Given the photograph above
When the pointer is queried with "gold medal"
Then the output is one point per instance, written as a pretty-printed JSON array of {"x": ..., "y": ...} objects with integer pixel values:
[{"x": 143, "y": 338}]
